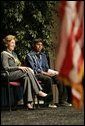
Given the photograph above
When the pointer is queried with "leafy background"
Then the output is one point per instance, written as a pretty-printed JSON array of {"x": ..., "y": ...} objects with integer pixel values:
[{"x": 27, "y": 20}]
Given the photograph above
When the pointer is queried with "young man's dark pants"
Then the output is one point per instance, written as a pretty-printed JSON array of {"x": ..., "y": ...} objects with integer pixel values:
[
  {"x": 63, "y": 94},
  {"x": 46, "y": 82},
  {"x": 47, "y": 86}
]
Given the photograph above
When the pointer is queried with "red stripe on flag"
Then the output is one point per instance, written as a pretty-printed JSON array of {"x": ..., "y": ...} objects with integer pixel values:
[{"x": 67, "y": 62}]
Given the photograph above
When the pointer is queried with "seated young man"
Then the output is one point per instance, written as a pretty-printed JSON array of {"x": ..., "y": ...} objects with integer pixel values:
[{"x": 37, "y": 60}]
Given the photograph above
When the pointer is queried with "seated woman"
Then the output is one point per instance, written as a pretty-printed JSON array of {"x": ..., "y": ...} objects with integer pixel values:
[{"x": 11, "y": 63}]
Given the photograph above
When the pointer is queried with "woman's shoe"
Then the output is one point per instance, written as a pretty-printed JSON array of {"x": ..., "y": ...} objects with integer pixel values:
[
  {"x": 29, "y": 107},
  {"x": 42, "y": 94},
  {"x": 46, "y": 98}
]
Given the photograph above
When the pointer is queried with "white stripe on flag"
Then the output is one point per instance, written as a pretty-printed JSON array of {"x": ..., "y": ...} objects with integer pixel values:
[{"x": 76, "y": 94}]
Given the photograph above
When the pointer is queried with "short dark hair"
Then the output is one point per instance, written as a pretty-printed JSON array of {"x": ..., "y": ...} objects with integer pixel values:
[{"x": 38, "y": 40}]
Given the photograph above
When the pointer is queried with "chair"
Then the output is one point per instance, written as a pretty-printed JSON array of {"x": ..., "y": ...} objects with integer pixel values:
[{"x": 5, "y": 82}]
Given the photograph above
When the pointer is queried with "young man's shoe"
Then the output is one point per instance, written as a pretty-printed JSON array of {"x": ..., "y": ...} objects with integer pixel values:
[
  {"x": 65, "y": 103},
  {"x": 52, "y": 106}
]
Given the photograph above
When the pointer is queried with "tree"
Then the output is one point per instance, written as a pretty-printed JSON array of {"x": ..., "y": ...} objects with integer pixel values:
[{"x": 27, "y": 20}]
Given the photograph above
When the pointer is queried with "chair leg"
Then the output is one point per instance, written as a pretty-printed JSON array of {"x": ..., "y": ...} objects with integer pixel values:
[
  {"x": 35, "y": 101},
  {"x": 38, "y": 103},
  {"x": 34, "y": 97},
  {"x": 9, "y": 93}
]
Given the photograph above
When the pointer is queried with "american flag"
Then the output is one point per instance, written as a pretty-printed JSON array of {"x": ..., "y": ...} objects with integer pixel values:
[{"x": 70, "y": 58}]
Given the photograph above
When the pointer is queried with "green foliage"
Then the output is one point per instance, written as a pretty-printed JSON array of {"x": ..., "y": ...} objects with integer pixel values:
[{"x": 27, "y": 20}]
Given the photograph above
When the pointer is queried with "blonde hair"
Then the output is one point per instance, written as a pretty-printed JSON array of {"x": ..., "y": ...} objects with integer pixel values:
[{"x": 9, "y": 38}]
